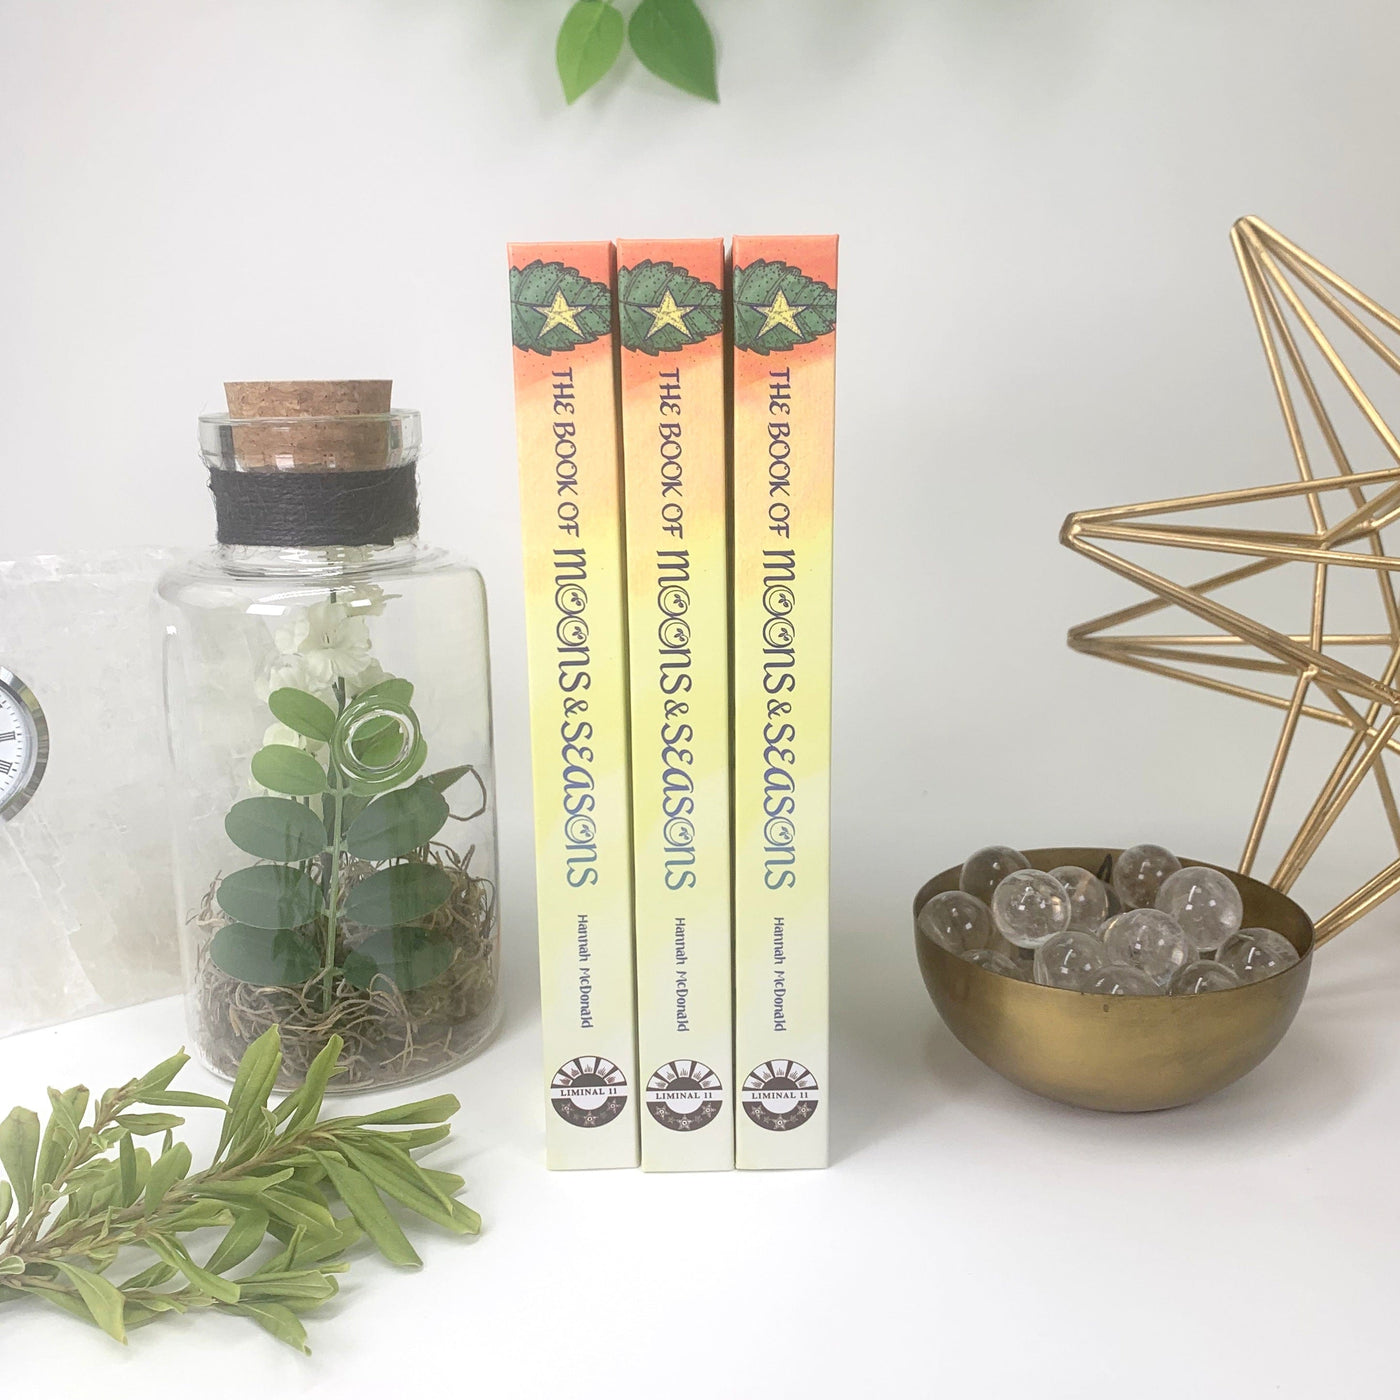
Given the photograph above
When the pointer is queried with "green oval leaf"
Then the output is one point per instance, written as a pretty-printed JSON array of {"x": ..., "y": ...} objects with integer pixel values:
[
  {"x": 265, "y": 957},
  {"x": 408, "y": 957},
  {"x": 399, "y": 895},
  {"x": 302, "y": 712},
  {"x": 270, "y": 896},
  {"x": 401, "y": 773},
  {"x": 445, "y": 777},
  {"x": 673, "y": 40},
  {"x": 285, "y": 769},
  {"x": 394, "y": 689},
  {"x": 275, "y": 828},
  {"x": 398, "y": 822},
  {"x": 590, "y": 40}
]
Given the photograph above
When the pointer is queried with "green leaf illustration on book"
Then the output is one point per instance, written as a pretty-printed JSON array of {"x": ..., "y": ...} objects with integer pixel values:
[
  {"x": 553, "y": 307},
  {"x": 776, "y": 306},
  {"x": 662, "y": 307}
]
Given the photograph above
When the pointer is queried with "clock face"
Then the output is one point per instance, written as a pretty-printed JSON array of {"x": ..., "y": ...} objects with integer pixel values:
[{"x": 24, "y": 743}]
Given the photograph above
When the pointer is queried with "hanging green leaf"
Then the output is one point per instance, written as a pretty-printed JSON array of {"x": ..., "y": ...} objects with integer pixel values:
[
  {"x": 446, "y": 777},
  {"x": 270, "y": 896},
  {"x": 661, "y": 307},
  {"x": 393, "y": 689},
  {"x": 777, "y": 306},
  {"x": 400, "y": 895},
  {"x": 104, "y": 1300},
  {"x": 379, "y": 743},
  {"x": 282, "y": 768},
  {"x": 275, "y": 828},
  {"x": 399, "y": 773},
  {"x": 398, "y": 822},
  {"x": 589, "y": 42},
  {"x": 408, "y": 957},
  {"x": 672, "y": 38},
  {"x": 553, "y": 307},
  {"x": 310, "y": 717},
  {"x": 264, "y": 957}
]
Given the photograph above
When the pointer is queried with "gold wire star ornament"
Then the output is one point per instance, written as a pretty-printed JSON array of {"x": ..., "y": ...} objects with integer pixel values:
[{"x": 1321, "y": 667}]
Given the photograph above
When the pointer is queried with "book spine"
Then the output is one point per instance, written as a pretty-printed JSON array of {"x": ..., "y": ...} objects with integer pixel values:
[
  {"x": 671, "y": 314},
  {"x": 784, "y": 319},
  {"x": 571, "y": 518}
]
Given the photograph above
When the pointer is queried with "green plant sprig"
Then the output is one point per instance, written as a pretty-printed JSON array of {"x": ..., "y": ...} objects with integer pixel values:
[
  {"x": 670, "y": 37},
  {"x": 79, "y": 1194}
]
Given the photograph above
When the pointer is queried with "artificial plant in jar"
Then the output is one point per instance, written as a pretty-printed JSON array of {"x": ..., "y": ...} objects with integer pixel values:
[{"x": 328, "y": 704}]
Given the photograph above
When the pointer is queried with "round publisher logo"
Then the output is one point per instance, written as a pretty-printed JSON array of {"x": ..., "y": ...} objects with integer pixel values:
[
  {"x": 589, "y": 1091},
  {"x": 780, "y": 1094},
  {"x": 684, "y": 1095}
]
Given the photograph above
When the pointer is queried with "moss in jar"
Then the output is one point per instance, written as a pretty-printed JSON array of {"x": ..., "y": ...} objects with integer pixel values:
[{"x": 356, "y": 919}]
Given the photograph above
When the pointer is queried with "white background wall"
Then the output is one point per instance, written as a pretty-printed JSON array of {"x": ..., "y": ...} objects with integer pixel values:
[{"x": 1040, "y": 312}]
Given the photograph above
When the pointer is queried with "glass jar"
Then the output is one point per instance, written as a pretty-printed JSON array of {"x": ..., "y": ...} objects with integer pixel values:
[{"x": 328, "y": 706}]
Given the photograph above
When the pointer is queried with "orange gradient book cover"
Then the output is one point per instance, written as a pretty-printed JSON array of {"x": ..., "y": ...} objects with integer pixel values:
[
  {"x": 783, "y": 300},
  {"x": 671, "y": 317},
  {"x": 562, "y": 327}
]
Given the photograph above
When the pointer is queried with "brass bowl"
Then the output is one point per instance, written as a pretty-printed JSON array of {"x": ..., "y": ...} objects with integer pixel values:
[{"x": 1122, "y": 1054}]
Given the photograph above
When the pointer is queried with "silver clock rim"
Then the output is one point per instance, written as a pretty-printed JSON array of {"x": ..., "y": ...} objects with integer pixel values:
[{"x": 26, "y": 697}]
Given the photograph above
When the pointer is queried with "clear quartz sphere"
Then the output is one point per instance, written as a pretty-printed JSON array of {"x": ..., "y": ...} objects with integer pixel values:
[
  {"x": 1204, "y": 902},
  {"x": 1022, "y": 959},
  {"x": 956, "y": 921},
  {"x": 1149, "y": 940},
  {"x": 1028, "y": 906},
  {"x": 1202, "y": 976},
  {"x": 1069, "y": 960},
  {"x": 1253, "y": 954},
  {"x": 1088, "y": 897},
  {"x": 994, "y": 962},
  {"x": 1138, "y": 874},
  {"x": 984, "y": 870},
  {"x": 1119, "y": 980}
]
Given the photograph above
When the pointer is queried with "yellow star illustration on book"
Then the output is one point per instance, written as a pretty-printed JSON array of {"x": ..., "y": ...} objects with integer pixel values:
[
  {"x": 668, "y": 314},
  {"x": 560, "y": 313},
  {"x": 779, "y": 313}
]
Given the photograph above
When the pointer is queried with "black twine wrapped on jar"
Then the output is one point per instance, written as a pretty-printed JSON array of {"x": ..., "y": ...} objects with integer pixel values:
[{"x": 305, "y": 509}]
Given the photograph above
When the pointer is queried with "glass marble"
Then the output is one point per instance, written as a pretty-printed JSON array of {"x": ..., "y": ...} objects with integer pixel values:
[
  {"x": 956, "y": 921},
  {"x": 1204, "y": 902},
  {"x": 1138, "y": 874},
  {"x": 1253, "y": 954},
  {"x": 1202, "y": 976},
  {"x": 1069, "y": 960},
  {"x": 1028, "y": 906},
  {"x": 994, "y": 962},
  {"x": 1151, "y": 941},
  {"x": 1022, "y": 959},
  {"x": 1088, "y": 897},
  {"x": 1119, "y": 980},
  {"x": 984, "y": 870}
]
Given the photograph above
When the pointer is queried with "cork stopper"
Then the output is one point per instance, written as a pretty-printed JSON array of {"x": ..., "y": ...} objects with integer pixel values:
[{"x": 310, "y": 424}]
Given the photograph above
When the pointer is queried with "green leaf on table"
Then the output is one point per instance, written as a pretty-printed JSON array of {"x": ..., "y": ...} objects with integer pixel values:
[
  {"x": 270, "y": 896},
  {"x": 275, "y": 1318},
  {"x": 589, "y": 42},
  {"x": 398, "y": 822},
  {"x": 257, "y": 1073},
  {"x": 19, "y": 1150},
  {"x": 10, "y": 1265},
  {"x": 104, "y": 1300},
  {"x": 408, "y": 957},
  {"x": 171, "y": 1166},
  {"x": 241, "y": 1242},
  {"x": 369, "y": 1211},
  {"x": 672, "y": 38},
  {"x": 282, "y": 768},
  {"x": 162, "y": 1074},
  {"x": 303, "y": 1104},
  {"x": 399, "y": 895},
  {"x": 275, "y": 828},
  {"x": 201, "y": 1280},
  {"x": 435, "y": 1110},
  {"x": 264, "y": 957},
  {"x": 148, "y": 1124},
  {"x": 310, "y": 717},
  {"x": 399, "y": 1177}
]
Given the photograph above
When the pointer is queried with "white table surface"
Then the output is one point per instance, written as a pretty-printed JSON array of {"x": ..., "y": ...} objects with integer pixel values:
[{"x": 968, "y": 1240}]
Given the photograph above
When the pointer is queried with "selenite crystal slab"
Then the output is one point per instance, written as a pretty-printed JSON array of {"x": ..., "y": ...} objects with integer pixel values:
[{"x": 87, "y": 913}]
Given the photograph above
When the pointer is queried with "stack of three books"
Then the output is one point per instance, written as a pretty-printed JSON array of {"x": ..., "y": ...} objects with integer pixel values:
[{"x": 675, "y": 422}]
